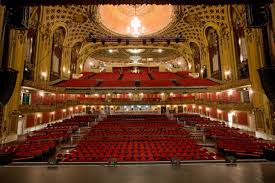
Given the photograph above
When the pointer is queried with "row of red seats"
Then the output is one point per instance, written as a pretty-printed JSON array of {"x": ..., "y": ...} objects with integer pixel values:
[
  {"x": 230, "y": 141},
  {"x": 42, "y": 143},
  {"x": 29, "y": 150},
  {"x": 135, "y": 76},
  {"x": 137, "y": 140}
]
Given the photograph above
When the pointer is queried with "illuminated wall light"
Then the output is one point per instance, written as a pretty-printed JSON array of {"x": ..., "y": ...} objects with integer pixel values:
[
  {"x": 168, "y": 106},
  {"x": 202, "y": 71},
  {"x": 84, "y": 106},
  {"x": 207, "y": 109},
  {"x": 227, "y": 74},
  {"x": 44, "y": 75},
  {"x": 171, "y": 94},
  {"x": 200, "y": 107},
  {"x": 69, "y": 72},
  {"x": 130, "y": 94},
  {"x": 251, "y": 91},
  {"x": 96, "y": 95},
  {"x": 38, "y": 115},
  {"x": 219, "y": 111},
  {"x": 229, "y": 92},
  {"x": 162, "y": 94},
  {"x": 64, "y": 69},
  {"x": 52, "y": 113},
  {"x": 111, "y": 51},
  {"x": 218, "y": 93},
  {"x": 141, "y": 94},
  {"x": 184, "y": 106},
  {"x": 160, "y": 50},
  {"x": 81, "y": 67},
  {"x": 71, "y": 109},
  {"x": 175, "y": 106},
  {"x": 64, "y": 110},
  {"x": 41, "y": 93},
  {"x": 189, "y": 66},
  {"x": 193, "y": 106},
  {"x": 159, "y": 106},
  {"x": 109, "y": 94}
]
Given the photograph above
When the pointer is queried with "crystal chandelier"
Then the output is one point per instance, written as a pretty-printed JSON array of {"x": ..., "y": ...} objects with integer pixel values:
[{"x": 135, "y": 28}]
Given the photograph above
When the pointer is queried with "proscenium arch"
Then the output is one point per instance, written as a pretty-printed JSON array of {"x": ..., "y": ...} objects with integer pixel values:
[{"x": 88, "y": 50}]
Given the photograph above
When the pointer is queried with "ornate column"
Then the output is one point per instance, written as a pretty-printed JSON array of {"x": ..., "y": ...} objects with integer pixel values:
[
  {"x": 43, "y": 54},
  {"x": 256, "y": 61},
  {"x": 66, "y": 62},
  {"x": 15, "y": 61}
]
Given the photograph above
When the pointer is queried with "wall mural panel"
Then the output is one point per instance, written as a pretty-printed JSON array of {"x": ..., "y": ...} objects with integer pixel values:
[
  {"x": 57, "y": 49},
  {"x": 214, "y": 53}
]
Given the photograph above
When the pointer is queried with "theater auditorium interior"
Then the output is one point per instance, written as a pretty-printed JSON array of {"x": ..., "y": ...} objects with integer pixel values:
[{"x": 137, "y": 91}]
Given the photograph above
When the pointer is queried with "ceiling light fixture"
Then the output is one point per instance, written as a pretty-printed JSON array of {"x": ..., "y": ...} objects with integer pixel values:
[{"x": 135, "y": 28}]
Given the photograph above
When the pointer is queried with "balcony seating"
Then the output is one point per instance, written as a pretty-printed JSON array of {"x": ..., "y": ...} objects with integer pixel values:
[
  {"x": 106, "y": 76},
  {"x": 78, "y": 83},
  {"x": 135, "y": 76},
  {"x": 86, "y": 75},
  {"x": 196, "y": 82},
  {"x": 165, "y": 76},
  {"x": 157, "y": 83},
  {"x": 120, "y": 83},
  {"x": 183, "y": 74}
]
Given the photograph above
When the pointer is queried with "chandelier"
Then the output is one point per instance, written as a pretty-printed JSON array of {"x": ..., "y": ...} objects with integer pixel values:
[{"x": 135, "y": 28}]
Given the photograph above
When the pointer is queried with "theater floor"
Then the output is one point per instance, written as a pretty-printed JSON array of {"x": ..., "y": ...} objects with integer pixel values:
[{"x": 212, "y": 173}]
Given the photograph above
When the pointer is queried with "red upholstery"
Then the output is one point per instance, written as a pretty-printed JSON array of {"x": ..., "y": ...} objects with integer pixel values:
[
  {"x": 137, "y": 138},
  {"x": 78, "y": 83},
  {"x": 165, "y": 76},
  {"x": 196, "y": 82},
  {"x": 106, "y": 76},
  {"x": 135, "y": 76},
  {"x": 118, "y": 83},
  {"x": 156, "y": 83}
]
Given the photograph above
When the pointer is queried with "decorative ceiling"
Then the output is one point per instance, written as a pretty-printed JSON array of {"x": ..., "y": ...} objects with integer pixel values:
[
  {"x": 133, "y": 2},
  {"x": 81, "y": 21},
  {"x": 188, "y": 20},
  {"x": 154, "y": 18},
  {"x": 122, "y": 55}
]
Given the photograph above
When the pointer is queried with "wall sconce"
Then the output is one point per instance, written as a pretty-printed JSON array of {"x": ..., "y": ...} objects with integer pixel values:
[
  {"x": 41, "y": 93},
  {"x": 230, "y": 92},
  {"x": 227, "y": 75},
  {"x": 44, "y": 75}
]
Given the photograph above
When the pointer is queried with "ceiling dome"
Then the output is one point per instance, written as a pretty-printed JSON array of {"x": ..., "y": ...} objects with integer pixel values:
[{"x": 117, "y": 18}]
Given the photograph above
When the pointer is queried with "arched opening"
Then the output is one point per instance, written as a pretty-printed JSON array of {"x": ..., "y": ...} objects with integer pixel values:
[
  {"x": 74, "y": 57},
  {"x": 196, "y": 57},
  {"x": 240, "y": 45},
  {"x": 57, "y": 49},
  {"x": 214, "y": 53},
  {"x": 29, "y": 60}
]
